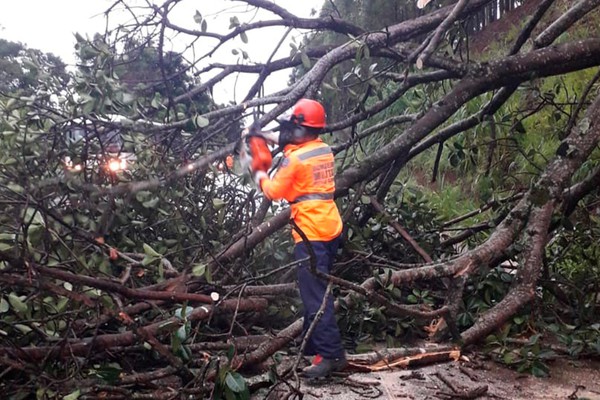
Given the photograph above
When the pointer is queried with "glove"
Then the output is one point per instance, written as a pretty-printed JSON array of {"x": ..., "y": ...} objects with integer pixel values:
[{"x": 258, "y": 176}]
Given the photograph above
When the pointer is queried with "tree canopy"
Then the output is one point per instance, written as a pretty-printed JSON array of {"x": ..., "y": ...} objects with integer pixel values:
[
  {"x": 21, "y": 68},
  {"x": 466, "y": 140}
]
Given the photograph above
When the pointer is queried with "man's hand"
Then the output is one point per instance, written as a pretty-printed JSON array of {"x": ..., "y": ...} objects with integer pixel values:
[
  {"x": 252, "y": 130},
  {"x": 258, "y": 176}
]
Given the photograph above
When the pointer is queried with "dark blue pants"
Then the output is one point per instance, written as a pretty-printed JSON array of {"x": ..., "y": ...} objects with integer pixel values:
[{"x": 325, "y": 339}]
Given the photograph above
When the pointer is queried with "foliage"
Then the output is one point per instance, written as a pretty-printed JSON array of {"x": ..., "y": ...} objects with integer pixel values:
[
  {"x": 137, "y": 80},
  {"x": 498, "y": 157},
  {"x": 63, "y": 214},
  {"x": 230, "y": 384},
  {"x": 22, "y": 70},
  {"x": 166, "y": 223},
  {"x": 529, "y": 357}
]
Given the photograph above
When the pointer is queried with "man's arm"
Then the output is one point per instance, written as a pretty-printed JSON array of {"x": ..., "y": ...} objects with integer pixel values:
[{"x": 281, "y": 185}]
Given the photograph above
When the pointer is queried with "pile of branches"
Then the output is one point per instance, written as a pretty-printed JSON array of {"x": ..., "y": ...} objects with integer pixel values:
[
  {"x": 139, "y": 326},
  {"x": 126, "y": 336}
]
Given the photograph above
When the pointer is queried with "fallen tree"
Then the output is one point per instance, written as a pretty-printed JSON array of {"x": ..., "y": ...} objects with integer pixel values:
[{"x": 157, "y": 282}]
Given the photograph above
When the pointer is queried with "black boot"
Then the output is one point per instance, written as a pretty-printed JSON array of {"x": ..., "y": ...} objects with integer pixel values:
[{"x": 322, "y": 367}]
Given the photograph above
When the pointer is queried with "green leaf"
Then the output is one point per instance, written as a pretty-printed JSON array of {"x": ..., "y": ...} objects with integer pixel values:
[
  {"x": 328, "y": 86},
  {"x": 200, "y": 121},
  {"x": 218, "y": 203},
  {"x": 509, "y": 358},
  {"x": 235, "y": 382},
  {"x": 73, "y": 395},
  {"x": 17, "y": 303},
  {"x": 244, "y": 37},
  {"x": 149, "y": 251},
  {"x": 156, "y": 101},
  {"x": 204, "y": 26},
  {"x": 366, "y": 52},
  {"x": 539, "y": 370},
  {"x": 11, "y": 161},
  {"x": 199, "y": 270},
  {"x": 151, "y": 203},
  {"x": 4, "y": 306},
  {"x": 23, "y": 328},
  {"x": 305, "y": 60},
  {"x": 230, "y": 352},
  {"x": 183, "y": 312},
  {"x": 128, "y": 98},
  {"x": 62, "y": 302},
  {"x": 198, "y": 17},
  {"x": 109, "y": 373},
  {"x": 233, "y": 22},
  {"x": 363, "y": 348},
  {"x": 41, "y": 394},
  {"x": 181, "y": 334},
  {"x": 534, "y": 339},
  {"x": 7, "y": 236}
]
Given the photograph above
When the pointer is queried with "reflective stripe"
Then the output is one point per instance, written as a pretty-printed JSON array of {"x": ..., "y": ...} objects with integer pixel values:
[
  {"x": 313, "y": 196},
  {"x": 319, "y": 151}
]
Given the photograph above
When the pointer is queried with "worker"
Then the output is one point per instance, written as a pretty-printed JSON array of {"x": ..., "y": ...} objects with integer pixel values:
[{"x": 305, "y": 178}]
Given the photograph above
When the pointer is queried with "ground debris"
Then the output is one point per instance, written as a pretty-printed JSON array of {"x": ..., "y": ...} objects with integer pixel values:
[
  {"x": 460, "y": 392},
  {"x": 491, "y": 381},
  {"x": 468, "y": 373},
  {"x": 413, "y": 375}
]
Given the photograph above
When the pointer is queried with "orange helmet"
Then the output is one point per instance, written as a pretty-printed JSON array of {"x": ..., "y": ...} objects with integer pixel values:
[{"x": 309, "y": 113}]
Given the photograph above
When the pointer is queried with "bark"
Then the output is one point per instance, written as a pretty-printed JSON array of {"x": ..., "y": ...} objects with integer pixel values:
[
  {"x": 426, "y": 257},
  {"x": 123, "y": 329},
  {"x": 518, "y": 68},
  {"x": 555, "y": 60},
  {"x": 115, "y": 287},
  {"x": 83, "y": 347},
  {"x": 579, "y": 145}
]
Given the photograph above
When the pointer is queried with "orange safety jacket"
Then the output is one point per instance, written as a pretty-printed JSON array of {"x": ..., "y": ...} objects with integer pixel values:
[{"x": 305, "y": 179}]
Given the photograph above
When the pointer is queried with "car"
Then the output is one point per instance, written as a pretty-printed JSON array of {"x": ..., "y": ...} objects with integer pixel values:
[{"x": 95, "y": 145}]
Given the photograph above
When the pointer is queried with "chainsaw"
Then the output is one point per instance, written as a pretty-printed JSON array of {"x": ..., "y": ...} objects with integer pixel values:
[{"x": 253, "y": 150}]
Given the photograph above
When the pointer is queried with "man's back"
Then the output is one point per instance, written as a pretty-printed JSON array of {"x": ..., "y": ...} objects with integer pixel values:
[{"x": 306, "y": 180}]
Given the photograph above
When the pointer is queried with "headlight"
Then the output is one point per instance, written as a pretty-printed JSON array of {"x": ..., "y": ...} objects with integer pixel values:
[{"x": 116, "y": 164}]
